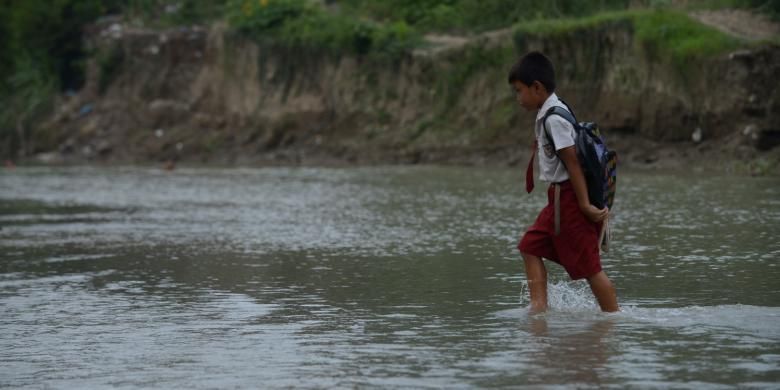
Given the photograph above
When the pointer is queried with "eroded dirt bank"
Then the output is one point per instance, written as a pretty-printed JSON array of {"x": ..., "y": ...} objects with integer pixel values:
[{"x": 205, "y": 95}]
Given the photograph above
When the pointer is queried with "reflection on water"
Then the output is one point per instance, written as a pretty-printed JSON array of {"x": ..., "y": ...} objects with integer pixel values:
[
  {"x": 577, "y": 355},
  {"x": 387, "y": 277}
]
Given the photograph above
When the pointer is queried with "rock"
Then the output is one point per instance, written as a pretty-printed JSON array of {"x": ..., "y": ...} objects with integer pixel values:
[
  {"x": 697, "y": 135},
  {"x": 87, "y": 151},
  {"x": 48, "y": 158},
  {"x": 741, "y": 55},
  {"x": 114, "y": 31},
  {"x": 103, "y": 147}
]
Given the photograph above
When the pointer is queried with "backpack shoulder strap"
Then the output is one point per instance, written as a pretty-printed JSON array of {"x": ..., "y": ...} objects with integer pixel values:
[
  {"x": 563, "y": 113},
  {"x": 568, "y": 107}
]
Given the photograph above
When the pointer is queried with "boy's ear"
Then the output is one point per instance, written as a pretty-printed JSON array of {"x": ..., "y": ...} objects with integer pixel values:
[{"x": 538, "y": 86}]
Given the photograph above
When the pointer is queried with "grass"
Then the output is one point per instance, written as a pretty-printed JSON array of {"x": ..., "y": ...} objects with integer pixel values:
[
  {"x": 770, "y": 8},
  {"x": 674, "y": 33},
  {"x": 472, "y": 15},
  {"x": 663, "y": 32},
  {"x": 470, "y": 62},
  {"x": 163, "y": 14},
  {"x": 553, "y": 27},
  {"x": 304, "y": 24}
]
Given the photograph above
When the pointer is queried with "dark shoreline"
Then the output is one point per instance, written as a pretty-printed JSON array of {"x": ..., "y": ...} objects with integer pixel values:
[{"x": 675, "y": 157}]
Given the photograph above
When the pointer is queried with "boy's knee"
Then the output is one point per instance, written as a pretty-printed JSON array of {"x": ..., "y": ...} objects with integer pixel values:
[
  {"x": 601, "y": 280},
  {"x": 533, "y": 263},
  {"x": 598, "y": 277},
  {"x": 528, "y": 256}
]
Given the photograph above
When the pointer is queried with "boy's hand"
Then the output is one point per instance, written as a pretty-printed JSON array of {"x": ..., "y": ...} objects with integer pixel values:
[
  {"x": 594, "y": 214},
  {"x": 569, "y": 157}
]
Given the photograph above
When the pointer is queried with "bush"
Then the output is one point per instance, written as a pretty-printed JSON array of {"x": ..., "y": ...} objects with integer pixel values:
[
  {"x": 42, "y": 54},
  {"x": 266, "y": 16},
  {"x": 302, "y": 23},
  {"x": 49, "y": 32}
]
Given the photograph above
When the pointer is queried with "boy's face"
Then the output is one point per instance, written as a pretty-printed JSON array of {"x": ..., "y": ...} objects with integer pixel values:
[{"x": 530, "y": 97}]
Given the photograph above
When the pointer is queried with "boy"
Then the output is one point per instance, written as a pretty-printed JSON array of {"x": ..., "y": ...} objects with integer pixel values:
[{"x": 567, "y": 229}]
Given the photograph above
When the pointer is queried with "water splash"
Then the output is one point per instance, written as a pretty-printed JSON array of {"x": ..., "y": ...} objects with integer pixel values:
[{"x": 565, "y": 296}]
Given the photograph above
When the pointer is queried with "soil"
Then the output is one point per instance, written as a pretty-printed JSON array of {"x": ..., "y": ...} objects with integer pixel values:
[
  {"x": 740, "y": 23},
  {"x": 203, "y": 95}
]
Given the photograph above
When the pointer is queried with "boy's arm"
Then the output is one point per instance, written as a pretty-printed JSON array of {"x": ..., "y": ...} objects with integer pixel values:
[{"x": 569, "y": 157}]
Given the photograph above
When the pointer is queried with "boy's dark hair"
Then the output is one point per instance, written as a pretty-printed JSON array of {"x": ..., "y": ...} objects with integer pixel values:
[{"x": 534, "y": 66}]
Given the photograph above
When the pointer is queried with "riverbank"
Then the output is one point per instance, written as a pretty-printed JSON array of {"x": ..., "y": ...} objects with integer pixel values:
[
  {"x": 708, "y": 157},
  {"x": 693, "y": 96}
]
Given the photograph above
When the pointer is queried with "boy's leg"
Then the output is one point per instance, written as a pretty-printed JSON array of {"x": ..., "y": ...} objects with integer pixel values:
[
  {"x": 604, "y": 292},
  {"x": 536, "y": 274}
]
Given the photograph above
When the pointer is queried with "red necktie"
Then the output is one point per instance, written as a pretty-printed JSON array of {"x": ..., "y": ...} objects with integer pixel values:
[{"x": 529, "y": 173}]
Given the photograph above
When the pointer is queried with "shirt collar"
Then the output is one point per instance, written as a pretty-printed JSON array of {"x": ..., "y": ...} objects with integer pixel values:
[{"x": 551, "y": 101}]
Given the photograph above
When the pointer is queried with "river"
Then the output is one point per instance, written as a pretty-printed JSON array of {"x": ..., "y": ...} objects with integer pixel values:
[{"x": 389, "y": 277}]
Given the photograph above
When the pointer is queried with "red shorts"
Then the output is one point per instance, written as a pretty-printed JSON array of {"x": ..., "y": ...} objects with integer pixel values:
[{"x": 575, "y": 247}]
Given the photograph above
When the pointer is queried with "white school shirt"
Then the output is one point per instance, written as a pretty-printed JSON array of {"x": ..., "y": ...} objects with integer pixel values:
[{"x": 551, "y": 168}]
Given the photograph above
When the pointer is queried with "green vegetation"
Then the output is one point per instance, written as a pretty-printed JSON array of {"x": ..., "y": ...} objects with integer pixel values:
[
  {"x": 677, "y": 34},
  {"x": 43, "y": 55},
  {"x": 553, "y": 27},
  {"x": 471, "y": 61},
  {"x": 663, "y": 32},
  {"x": 474, "y": 15},
  {"x": 165, "y": 13},
  {"x": 303, "y": 24},
  {"x": 109, "y": 60}
]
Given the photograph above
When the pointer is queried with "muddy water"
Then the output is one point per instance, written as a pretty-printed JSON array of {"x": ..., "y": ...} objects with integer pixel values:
[{"x": 373, "y": 277}]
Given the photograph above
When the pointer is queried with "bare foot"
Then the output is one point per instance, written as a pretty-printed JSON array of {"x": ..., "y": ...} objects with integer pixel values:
[{"x": 537, "y": 308}]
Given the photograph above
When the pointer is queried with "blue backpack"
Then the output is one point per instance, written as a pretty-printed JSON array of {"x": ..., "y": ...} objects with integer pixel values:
[{"x": 599, "y": 164}]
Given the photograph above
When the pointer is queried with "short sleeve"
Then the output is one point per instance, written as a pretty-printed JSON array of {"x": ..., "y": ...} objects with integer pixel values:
[{"x": 561, "y": 130}]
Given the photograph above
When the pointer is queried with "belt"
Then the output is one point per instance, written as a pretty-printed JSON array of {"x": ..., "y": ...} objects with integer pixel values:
[{"x": 557, "y": 207}]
